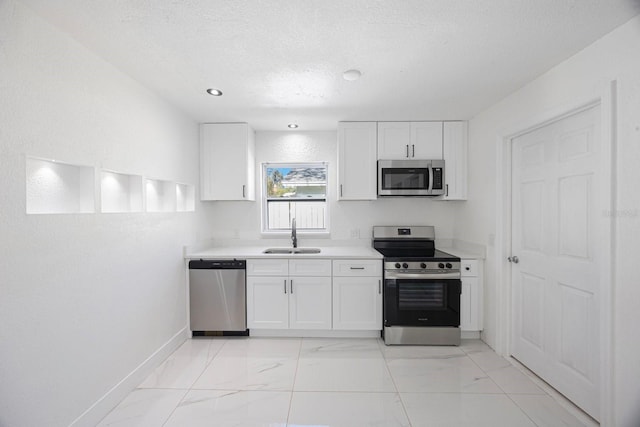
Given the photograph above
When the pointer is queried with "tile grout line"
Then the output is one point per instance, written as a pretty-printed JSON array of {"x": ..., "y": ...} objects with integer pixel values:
[
  {"x": 504, "y": 392},
  {"x": 554, "y": 394},
  {"x": 293, "y": 384},
  {"x": 176, "y": 407},
  {"x": 206, "y": 365},
  {"x": 393, "y": 380}
]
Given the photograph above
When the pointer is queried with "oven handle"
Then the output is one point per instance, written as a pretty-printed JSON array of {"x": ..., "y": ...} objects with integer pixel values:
[{"x": 395, "y": 275}]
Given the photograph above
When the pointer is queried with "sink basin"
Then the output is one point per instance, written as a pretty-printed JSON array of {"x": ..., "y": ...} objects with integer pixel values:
[{"x": 287, "y": 251}]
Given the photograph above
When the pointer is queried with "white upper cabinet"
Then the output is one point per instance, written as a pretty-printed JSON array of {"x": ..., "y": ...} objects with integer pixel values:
[
  {"x": 357, "y": 157},
  {"x": 227, "y": 161},
  {"x": 410, "y": 140},
  {"x": 455, "y": 157},
  {"x": 426, "y": 140}
]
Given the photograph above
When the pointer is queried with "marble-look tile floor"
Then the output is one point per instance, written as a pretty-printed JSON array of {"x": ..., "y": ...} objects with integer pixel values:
[{"x": 340, "y": 382}]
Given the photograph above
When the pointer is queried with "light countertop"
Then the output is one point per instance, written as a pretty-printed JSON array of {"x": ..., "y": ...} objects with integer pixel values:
[
  {"x": 462, "y": 253},
  {"x": 249, "y": 252}
]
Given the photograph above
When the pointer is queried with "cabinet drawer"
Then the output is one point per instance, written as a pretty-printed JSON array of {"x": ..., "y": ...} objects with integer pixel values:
[
  {"x": 310, "y": 267},
  {"x": 357, "y": 267},
  {"x": 267, "y": 267},
  {"x": 469, "y": 267}
]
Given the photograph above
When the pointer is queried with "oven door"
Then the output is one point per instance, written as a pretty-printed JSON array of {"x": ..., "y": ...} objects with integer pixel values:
[{"x": 422, "y": 300}]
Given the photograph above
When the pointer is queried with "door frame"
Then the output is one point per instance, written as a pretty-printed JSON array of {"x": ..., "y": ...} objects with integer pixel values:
[{"x": 607, "y": 100}]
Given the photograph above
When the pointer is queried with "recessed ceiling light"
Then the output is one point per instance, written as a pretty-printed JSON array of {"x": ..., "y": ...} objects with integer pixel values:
[
  {"x": 292, "y": 126},
  {"x": 214, "y": 92},
  {"x": 351, "y": 75}
]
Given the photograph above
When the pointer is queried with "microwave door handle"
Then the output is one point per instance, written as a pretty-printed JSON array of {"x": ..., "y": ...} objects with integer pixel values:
[{"x": 430, "y": 179}]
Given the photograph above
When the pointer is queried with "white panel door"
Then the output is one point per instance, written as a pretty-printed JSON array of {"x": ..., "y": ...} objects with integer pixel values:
[
  {"x": 556, "y": 220},
  {"x": 310, "y": 302},
  {"x": 267, "y": 302}
]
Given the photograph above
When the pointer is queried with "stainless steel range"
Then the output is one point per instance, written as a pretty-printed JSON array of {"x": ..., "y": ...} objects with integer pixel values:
[{"x": 421, "y": 287}]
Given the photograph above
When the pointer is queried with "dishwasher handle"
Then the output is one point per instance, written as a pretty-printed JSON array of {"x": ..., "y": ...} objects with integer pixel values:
[{"x": 218, "y": 264}]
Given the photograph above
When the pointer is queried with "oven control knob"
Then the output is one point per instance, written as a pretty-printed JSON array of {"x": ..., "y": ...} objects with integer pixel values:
[
  {"x": 405, "y": 265},
  {"x": 440, "y": 265},
  {"x": 449, "y": 265},
  {"x": 423, "y": 265},
  {"x": 398, "y": 265}
]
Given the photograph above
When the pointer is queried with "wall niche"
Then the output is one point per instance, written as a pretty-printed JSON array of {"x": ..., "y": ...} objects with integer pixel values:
[
  {"x": 55, "y": 187},
  {"x": 120, "y": 192}
]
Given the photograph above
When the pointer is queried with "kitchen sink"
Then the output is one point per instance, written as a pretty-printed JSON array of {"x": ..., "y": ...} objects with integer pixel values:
[{"x": 288, "y": 251}]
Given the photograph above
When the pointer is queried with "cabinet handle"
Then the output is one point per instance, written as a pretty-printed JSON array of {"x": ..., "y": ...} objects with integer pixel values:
[
  {"x": 357, "y": 268},
  {"x": 413, "y": 150},
  {"x": 379, "y": 286},
  {"x": 291, "y": 282},
  {"x": 407, "y": 150},
  {"x": 446, "y": 186},
  {"x": 243, "y": 191},
  {"x": 340, "y": 190},
  {"x": 285, "y": 286}
]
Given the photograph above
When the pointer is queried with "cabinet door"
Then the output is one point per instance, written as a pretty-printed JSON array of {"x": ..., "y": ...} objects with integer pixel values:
[
  {"x": 267, "y": 302},
  {"x": 310, "y": 302},
  {"x": 357, "y": 155},
  {"x": 227, "y": 161},
  {"x": 426, "y": 140},
  {"x": 469, "y": 302},
  {"x": 357, "y": 303},
  {"x": 455, "y": 158},
  {"x": 394, "y": 139}
]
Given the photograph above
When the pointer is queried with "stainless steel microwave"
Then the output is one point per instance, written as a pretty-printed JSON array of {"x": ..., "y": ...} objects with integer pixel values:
[{"x": 410, "y": 178}]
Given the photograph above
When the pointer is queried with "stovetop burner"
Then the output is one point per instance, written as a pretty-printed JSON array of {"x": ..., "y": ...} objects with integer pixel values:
[
  {"x": 412, "y": 249},
  {"x": 415, "y": 256},
  {"x": 408, "y": 243}
]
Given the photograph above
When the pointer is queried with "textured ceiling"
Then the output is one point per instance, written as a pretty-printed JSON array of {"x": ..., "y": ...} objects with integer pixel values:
[{"x": 281, "y": 61}]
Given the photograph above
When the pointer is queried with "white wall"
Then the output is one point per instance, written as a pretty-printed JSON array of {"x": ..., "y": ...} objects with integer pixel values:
[
  {"x": 586, "y": 75},
  {"x": 232, "y": 220},
  {"x": 84, "y": 298}
]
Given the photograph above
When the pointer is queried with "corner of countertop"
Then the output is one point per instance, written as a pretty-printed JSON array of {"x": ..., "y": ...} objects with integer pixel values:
[{"x": 462, "y": 248}]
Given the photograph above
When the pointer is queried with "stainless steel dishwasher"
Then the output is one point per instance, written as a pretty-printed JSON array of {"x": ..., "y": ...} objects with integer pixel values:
[{"x": 217, "y": 294}]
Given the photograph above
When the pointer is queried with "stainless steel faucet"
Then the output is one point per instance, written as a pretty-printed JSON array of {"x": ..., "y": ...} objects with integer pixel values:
[{"x": 294, "y": 238}]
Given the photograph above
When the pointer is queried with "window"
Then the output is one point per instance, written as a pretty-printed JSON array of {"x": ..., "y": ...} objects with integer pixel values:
[{"x": 294, "y": 190}]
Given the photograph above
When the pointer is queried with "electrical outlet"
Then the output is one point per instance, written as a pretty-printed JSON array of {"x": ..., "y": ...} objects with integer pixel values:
[{"x": 355, "y": 233}]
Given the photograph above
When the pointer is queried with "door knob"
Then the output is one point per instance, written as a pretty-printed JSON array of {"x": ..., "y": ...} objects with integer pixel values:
[{"x": 514, "y": 259}]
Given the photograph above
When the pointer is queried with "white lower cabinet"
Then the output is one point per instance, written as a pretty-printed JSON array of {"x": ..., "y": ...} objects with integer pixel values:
[
  {"x": 357, "y": 303},
  {"x": 277, "y": 301},
  {"x": 302, "y": 294},
  {"x": 357, "y": 294},
  {"x": 267, "y": 302},
  {"x": 310, "y": 303},
  {"x": 471, "y": 298}
]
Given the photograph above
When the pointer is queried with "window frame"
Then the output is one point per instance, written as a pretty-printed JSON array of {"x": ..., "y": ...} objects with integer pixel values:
[{"x": 265, "y": 200}]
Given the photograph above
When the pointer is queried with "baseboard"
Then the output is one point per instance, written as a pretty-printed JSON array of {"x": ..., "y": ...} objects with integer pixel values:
[
  {"x": 470, "y": 335},
  {"x": 312, "y": 333},
  {"x": 110, "y": 400}
]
